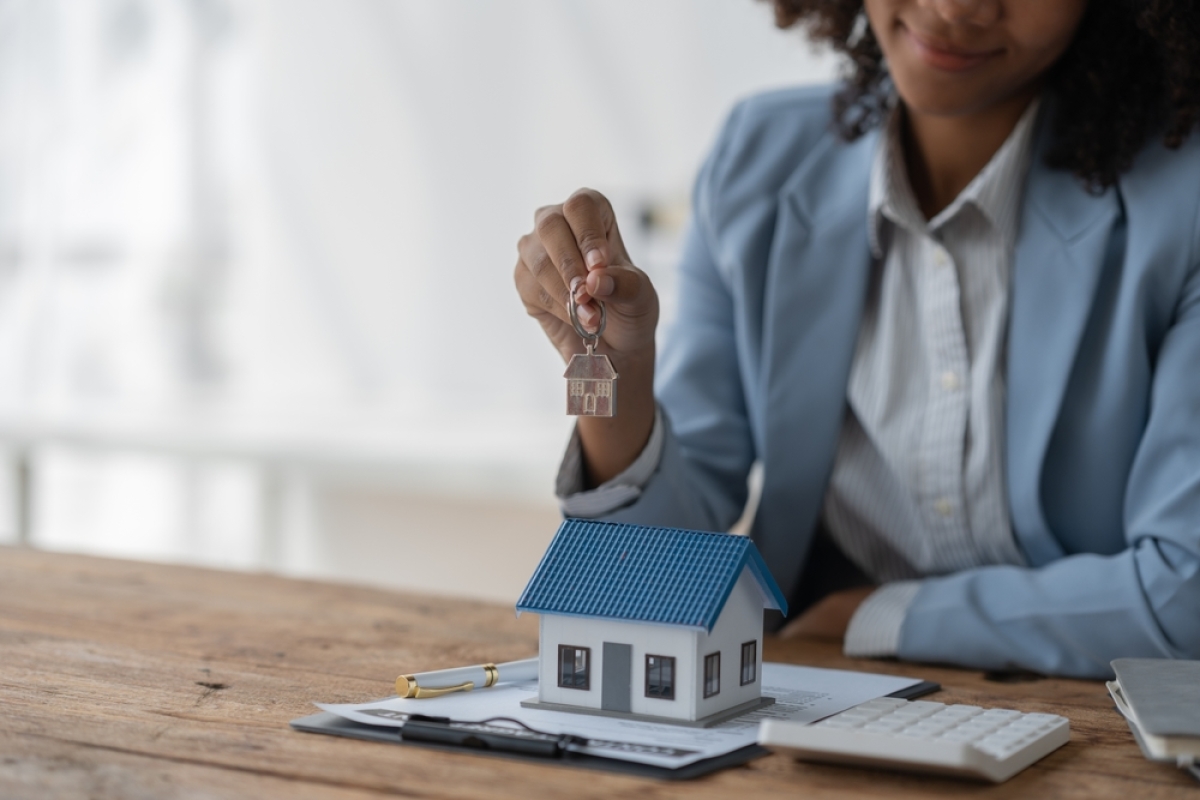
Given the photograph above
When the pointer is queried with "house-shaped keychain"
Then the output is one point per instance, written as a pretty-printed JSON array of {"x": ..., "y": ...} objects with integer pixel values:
[
  {"x": 658, "y": 624},
  {"x": 591, "y": 385}
]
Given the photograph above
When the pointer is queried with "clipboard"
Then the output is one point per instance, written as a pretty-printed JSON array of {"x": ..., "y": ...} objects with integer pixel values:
[
  {"x": 332, "y": 724},
  {"x": 324, "y": 722}
]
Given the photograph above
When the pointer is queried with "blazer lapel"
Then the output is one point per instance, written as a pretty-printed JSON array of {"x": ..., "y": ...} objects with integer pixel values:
[
  {"x": 815, "y": 289},
  {"x": 1059, "y": 257}
]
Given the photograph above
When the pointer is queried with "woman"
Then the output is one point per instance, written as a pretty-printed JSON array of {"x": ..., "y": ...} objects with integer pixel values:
[{"x": 953, "y": 308}]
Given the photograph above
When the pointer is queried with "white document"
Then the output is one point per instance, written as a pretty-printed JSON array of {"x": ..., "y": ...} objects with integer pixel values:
[{"x": 802, "y": 694}]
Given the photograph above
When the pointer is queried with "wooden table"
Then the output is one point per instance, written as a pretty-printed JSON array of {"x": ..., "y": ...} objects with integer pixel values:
[{"x": 130, "y": 680}]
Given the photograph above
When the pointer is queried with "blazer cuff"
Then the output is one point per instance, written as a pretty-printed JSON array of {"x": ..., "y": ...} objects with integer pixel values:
[
  {"x": 874, "y": 630},
  {"x": 615, "y": 493}
]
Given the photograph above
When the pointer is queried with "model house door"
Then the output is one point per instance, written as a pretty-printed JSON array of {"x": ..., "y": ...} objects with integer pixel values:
[{"x": 618, "y": 677}]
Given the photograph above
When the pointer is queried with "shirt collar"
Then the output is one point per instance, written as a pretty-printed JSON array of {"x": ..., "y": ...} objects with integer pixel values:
[{"x": 995, "y": 191}]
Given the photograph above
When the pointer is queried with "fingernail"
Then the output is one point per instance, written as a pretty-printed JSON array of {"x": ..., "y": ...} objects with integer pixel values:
[
  {"x": 587, "y": 315},
  {"x": 603, "y": 286},
  {"x": 593, "y": 259}
]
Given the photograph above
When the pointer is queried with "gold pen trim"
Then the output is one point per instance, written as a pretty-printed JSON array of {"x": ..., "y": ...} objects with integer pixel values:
[{"x": 406, "y": 686}]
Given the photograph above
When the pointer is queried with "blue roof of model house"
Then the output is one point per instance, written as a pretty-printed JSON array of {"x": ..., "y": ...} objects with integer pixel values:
[{"x": 636, "y": 573}]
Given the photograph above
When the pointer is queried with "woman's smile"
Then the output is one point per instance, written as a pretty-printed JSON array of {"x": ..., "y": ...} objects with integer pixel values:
[{"x": 945, "y": 56}]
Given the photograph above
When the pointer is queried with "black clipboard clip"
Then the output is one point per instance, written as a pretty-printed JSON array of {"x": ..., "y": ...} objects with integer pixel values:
[{"x": 486, "y": 735}]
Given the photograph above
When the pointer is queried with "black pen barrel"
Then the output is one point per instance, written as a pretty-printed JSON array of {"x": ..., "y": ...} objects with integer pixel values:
[{"x": 439, "y": 733}]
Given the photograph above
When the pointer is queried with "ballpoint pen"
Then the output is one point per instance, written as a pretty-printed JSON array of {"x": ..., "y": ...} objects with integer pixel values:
[
  {"x": 463, "y": 679},
  {"x": 487, "y": 735}
]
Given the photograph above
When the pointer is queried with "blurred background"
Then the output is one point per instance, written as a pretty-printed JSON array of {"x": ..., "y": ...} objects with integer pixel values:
[{"x": 256, "y": 305}]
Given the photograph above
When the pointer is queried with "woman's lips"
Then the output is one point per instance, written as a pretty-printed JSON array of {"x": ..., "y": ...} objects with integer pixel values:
[{"x": 944, "y": 57}]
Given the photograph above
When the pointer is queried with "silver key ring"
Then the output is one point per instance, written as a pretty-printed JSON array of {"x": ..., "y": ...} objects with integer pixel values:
[{"x": 589, "y": 339}]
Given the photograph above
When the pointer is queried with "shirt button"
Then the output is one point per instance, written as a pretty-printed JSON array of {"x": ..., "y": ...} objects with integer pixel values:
[
  {"x": 941, "y": 257},
  {"x": 949, "y": 381},
  {"x": 944, "y": 507}
]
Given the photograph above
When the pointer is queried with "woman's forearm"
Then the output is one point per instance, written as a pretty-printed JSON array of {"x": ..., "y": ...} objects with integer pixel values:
[{"x": 611, "y": 444}]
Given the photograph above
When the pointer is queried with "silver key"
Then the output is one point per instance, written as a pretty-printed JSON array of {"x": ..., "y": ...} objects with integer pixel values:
[{"x": 591, "y": 379}]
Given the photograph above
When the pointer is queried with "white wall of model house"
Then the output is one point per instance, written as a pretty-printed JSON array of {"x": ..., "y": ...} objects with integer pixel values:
[
  {"x": 740, "y": 621},
  {"x": 644, "y": 637}
]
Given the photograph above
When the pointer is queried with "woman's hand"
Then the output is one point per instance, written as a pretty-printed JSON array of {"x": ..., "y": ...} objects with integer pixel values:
[
  {"x": 575, "y": 252},
  {"x": 576, "y": 249}
]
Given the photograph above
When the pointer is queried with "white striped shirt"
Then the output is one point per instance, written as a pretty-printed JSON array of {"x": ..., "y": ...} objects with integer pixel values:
[{"x": 918, "y": 486}]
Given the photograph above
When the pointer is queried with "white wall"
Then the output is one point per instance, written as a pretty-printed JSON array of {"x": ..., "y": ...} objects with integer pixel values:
[
  {"x": 644, "y": 639},
  {"x": 292, "y": 223},
  {"x": 740, "y": 621}
]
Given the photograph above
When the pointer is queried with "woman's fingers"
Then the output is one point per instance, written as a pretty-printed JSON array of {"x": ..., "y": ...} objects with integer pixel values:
[
  {"x": 580, "y": 235},
  {"x": 558, "y": 241},
  {"x": 590, "y": 216},
  {"x": 535, "y": 297},
  {"x": 541, "y": 288},
  {"x": 574, "y": 239},
  {"x": 616, "y": 284},
  {"x": 552, "y": 293},
  {"x": 575, "y": 256}
]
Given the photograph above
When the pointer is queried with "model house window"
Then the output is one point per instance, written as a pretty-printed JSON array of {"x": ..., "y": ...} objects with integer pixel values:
[
  {"x": 712, "y": 674},
  {"x": 602, "y": 389},
  {"x": 660, "y": 677},
  {"x": 573, "y": 666},
  {"x": 577, "y": 388},
  {"x": 749, "y": 662}
]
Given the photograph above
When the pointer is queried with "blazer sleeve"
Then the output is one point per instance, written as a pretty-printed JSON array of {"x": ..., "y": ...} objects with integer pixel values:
[
  {"x": 1074, "y": 615},
  {"x": 708, "y": 448}
]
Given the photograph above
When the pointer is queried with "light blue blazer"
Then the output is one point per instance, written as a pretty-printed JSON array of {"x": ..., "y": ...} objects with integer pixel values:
[{"x": 1103, "y": 399}]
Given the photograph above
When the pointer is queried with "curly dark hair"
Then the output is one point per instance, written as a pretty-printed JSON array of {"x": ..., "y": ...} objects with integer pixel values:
[{"x": 1132, "y": 71}]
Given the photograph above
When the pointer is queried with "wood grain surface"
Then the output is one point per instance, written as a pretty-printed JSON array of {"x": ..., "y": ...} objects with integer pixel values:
[{"x": 131, "y": 680}]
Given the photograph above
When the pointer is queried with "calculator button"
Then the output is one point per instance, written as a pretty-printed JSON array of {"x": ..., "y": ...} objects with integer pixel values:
[{"x": 993, "y": 744}]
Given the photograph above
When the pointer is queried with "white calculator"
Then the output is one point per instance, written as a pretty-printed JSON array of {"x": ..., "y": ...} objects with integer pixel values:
[{"x": 988, "y": 743}]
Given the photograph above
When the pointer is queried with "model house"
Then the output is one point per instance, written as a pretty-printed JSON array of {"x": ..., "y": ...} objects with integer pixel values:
[
  {"x": 652, "y": 623},
  {"x": 591, "y": 385}
]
